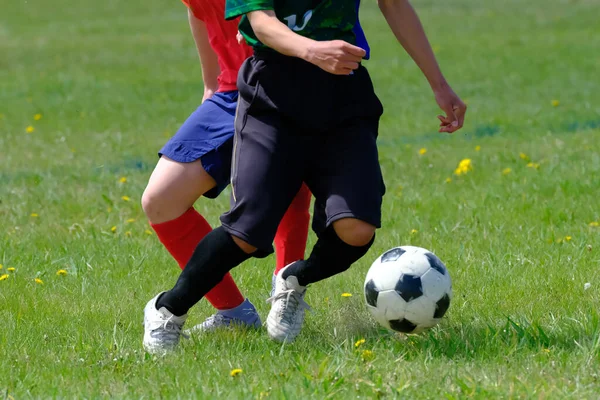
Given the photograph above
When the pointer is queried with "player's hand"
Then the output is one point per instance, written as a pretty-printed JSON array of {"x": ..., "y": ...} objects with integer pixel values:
[
  {"x": 208, "y": 93},
  {"x": 454, "y": 108},
  {"x": 336, "y": 56}
]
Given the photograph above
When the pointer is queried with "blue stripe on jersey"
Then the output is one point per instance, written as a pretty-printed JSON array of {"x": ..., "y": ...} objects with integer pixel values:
[{"x": 361, "y": 39}]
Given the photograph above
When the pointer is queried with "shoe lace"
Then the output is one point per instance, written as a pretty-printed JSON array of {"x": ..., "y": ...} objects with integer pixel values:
[
  {"x": 293, "y": 301},
  {"x": 215, "y": 319},
  {"x": 168, "y": 330}
]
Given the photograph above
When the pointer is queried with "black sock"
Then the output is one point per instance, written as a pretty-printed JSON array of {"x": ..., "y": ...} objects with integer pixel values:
[
  {"x": 330, "y": 256},
  {"x": 214, "y": 256}
]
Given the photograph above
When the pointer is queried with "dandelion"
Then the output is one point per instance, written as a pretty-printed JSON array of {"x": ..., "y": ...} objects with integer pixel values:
[
  {"x": 34, "y": 215},
  {"x": 593, "y": 224},
  {"x": 555, "y": 103},
  {"x": 123, "y": 179},
  {"x": 524, "y": 156},
  {"x": 39, "y": 281},
  {"x": 148, "y": 232},
  {"x": 29, "y": 129},
  {"x": 464, "y": 166},
  {"x": 346, "y": 294},
  {"x": 4, "y": 277},
  {"x": 1, "y": 266},
  {"x": 422, "y": 151},
  {"x": 61, "y": 272},
  {"x": 235, "y": 372},
  {"x": 37, "y": 117},
  {"x": 128, "y": 233},
  {"x": 477, "y": 148},
  {"x": 448, "y": 180},
  {"x": 506, "y": 171},
  {"x": 125, "y": 198},
  {"x": 130, "y": 220},
  {"x": 568, "y": 238},
  {"x": 359, "y": 343},
  {"x": 533, "y": 165},
  {"x": 367, "y": 355},
  {"x": 326, "y": 299},
  {"x": 113, "y": 229},
  {"x": 413, "y": 231},
  {"x": 108, "y": 209},
  {"x": 11, "y": 269}
]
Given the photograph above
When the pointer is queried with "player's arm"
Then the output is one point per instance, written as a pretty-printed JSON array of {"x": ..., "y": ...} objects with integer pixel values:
[
  {"x": 404, "y": 22},
  {"x": 208, "y": 58},
  {"x": 336, "y": 56}
]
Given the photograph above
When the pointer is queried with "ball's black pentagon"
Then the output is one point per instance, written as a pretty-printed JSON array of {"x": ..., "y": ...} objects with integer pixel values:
[
  {"x": 409, "y": 287},
  {"x": 371, "y": 293},
  {"x": 392, "y": 255},
  {"x": 441, "y": 306},
  {"x": 402, "y": 325},
  {"x": 436, "y": 263}
]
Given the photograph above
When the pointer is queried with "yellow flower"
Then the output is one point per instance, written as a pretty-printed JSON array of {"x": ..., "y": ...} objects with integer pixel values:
[
  {"x": 448, "y": 180},
  {"x": 37, "y": 117},
  {"x": 123, "y": 179},
  {"x": 524, "y": 156},
  {"x": 128, "y": 233},
  {"x": 1, "y": 266},
  {"x": 39, "y": 281},
  {"x": 359, "y": 343},
  {"x": 593, "y": 224},
  {"x": 422, "y": 151},
  {"x": 506, "y": 171},
  {"x": 148, "y": 232},
  {"x": 235, "y": 372},
  {"x": 568, "y": 238},
  {"x": 464, "y": 166},
  {"x": 346, "y": 294},
  {"x": 555, "y": 103},
  {"x": 367, "y": 355},
  {"x": 125, "y": 198},
  {"x": 326, "y": 299},
  {"x": 130, "y": 220},
  {"x": 11, "y": 269},
  {"x": 108, "y": 209},
  {"x": 29, "y": 129},
  {"x": 533, "y": 165},
  {"x": 477, "y": 148},
  {"x": 113, "y": 229},
  {"x": 413, "y": 231},
  {"x": 3, "y": 277},
  {"x": 34, "y": 215},
  {"x": 61, "y": 272}
]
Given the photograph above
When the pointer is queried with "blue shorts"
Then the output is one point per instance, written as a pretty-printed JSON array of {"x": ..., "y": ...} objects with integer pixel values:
[{"x": 207, "y": 135}]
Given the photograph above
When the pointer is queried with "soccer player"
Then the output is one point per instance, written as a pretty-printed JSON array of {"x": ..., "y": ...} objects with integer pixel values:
[
  {"x": 307, "y": 113},
  {"x": 197, "y": 161}
]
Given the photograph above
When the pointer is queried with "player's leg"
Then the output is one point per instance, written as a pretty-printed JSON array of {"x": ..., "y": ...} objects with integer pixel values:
[
  {"x": 196, "y": 162},
  {"x": 290, "y": 240},
  {"x": 348, "y": 189}
]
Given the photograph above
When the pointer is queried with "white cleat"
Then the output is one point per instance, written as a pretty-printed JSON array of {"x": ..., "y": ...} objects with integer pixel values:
[
  {"x": 287, "y": 309},
  {"x": 162, "y": 329}
]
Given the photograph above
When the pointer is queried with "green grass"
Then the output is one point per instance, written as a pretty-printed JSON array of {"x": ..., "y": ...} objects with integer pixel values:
[{"x": 114, "y": 79}]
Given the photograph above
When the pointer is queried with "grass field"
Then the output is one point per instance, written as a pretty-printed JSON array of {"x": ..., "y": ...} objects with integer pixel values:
[{"x": 89, "y": 91}]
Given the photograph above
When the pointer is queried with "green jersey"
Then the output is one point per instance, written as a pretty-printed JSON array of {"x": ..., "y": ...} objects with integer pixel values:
[{"x": 314, "y": 19}]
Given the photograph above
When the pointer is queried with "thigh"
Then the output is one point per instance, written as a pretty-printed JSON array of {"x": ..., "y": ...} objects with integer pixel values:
[
  {"x": 345, "y": 175},
  {"x": 266, "y": 174}
]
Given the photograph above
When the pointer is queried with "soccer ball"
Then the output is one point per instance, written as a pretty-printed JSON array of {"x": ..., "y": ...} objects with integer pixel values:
[{"x": 408, "y": 289}]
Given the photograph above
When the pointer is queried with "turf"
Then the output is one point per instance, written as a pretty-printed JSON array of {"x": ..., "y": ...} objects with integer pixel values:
[{"x": 519, "y": 232}]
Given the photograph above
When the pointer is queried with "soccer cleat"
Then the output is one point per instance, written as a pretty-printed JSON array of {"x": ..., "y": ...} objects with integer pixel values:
[
  {"x": 162, "y": 329},
  {"x": 244, "y": 315},
  {"x": 287, "y": 309}
]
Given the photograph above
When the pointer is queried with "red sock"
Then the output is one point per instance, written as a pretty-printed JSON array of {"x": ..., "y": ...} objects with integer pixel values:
[
  {"x": 290, "y": 241},
  {"x": 181, "y": 236}
]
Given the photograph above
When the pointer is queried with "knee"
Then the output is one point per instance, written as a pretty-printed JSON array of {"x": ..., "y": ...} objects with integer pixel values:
[
  {"x": 151, "y": 205},
  {"x": 354, "y": 231}
]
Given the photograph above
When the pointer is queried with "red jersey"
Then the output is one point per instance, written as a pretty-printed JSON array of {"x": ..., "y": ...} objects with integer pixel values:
[{"x": 222, "y": 38}]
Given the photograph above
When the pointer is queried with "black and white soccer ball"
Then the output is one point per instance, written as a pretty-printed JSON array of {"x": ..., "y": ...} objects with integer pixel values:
[{"x": 408, "y": 289}]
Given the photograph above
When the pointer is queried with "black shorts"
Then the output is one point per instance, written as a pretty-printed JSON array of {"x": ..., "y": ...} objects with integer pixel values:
[{"x": 297, "y": 123}]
